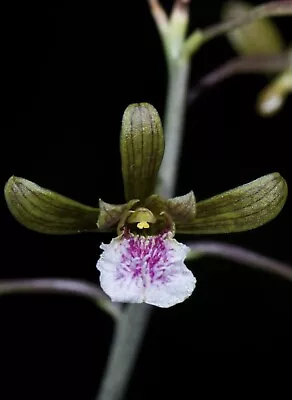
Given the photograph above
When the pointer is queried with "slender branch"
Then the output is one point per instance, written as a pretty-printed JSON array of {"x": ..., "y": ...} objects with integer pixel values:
[
  {"x": 162, "y": 23},
  {"x": 61, "y": 286},
  {"x": 270, "y": 9},
  {"x": 255, "y": 64},
  {"x": 159, "y": 16},
  {"x": 241, "y": 256}
]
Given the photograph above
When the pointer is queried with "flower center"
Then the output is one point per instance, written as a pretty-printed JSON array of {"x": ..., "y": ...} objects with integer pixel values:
[
  {"x": 141, "y": 217},
  {"x": 143, "y": 225},
  {"x": 143, "y": 222}
]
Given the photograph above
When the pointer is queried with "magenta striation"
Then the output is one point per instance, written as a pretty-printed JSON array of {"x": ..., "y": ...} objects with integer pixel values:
[{"x": 146, "y": 258}]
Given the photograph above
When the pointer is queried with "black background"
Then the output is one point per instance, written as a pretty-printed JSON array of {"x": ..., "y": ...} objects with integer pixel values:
[{"x": 68, "y": 72}]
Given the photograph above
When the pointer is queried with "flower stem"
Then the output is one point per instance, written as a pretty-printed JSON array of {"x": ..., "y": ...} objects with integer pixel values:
[
  {"x": 130, "y": 329},
  {"x": 173, "y": 125},
  {"x": 128, "y": 335}
]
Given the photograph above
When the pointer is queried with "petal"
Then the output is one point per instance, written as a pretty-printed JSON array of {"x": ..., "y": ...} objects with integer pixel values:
[
  {"x": 181, "y": 208},
  {"x": 142, "y": 148},
  {"x": 258, "y": 37},
  {"x": 110, "y": 214},
  {"x": 146, "y": 269},
  {"x": 45, "y": 211},
  {"x": 244, "y": 208}
]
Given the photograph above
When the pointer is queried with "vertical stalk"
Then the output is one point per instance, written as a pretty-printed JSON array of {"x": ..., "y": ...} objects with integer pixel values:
[
  {"x": 128, "y": 335},
  {"x": 173, "y": 125}
]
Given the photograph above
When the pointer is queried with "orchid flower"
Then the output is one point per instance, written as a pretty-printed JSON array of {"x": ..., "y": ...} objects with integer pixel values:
[{"x": 144, "y": 262}]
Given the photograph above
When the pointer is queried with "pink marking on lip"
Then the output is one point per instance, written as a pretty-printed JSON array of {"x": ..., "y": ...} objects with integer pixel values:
[{"x": 146, "y": 257}]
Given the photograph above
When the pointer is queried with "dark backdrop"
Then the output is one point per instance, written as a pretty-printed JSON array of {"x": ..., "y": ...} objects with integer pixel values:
[{"x": 69, "y": 70}]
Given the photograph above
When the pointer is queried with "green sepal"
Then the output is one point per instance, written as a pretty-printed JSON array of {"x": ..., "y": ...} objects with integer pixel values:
[
  {"x": 110, "y": 214},
  {"x": 241, "y": 209},
  {"x": 44, "y": 211},
  {"x": 181, "y": 209},
  {"x": 142, "y": 148},
  {"x": 258, "y": 37}
]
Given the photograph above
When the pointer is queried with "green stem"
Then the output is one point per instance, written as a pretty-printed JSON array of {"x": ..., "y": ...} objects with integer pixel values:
[
  {"x": 173, "y": 125},
  {"x": 128, "y": 336},
  {"x": 130, "y": 329}
]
